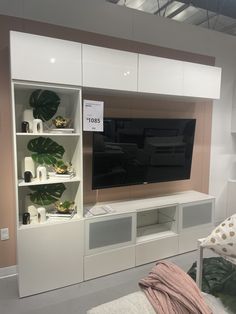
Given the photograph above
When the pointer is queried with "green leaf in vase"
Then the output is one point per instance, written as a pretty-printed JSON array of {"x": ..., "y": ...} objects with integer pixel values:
[
  {"x": 44, "y": 103},
  {"x": 46, "y": 194},
  {"x": 45, "y": 150}
]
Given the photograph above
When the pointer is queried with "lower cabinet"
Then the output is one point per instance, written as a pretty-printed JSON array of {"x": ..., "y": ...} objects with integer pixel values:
[
  {"x": 157, "y": 229},
  {"x": 50, "y": 256},
  {"x": 196, "y": 221},
  {"x": 157, "y": 249}
]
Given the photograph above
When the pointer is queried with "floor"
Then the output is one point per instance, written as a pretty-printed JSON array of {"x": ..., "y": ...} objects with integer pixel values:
[{"x": 77, "y": 299}]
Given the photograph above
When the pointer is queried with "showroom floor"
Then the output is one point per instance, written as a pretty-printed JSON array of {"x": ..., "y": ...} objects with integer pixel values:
[{"x": 77, "y": 299}]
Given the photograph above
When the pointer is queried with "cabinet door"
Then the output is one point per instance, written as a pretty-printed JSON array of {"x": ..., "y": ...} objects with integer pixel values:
[
  {"x": 160, "y": 75},
  {"x": 109, "y": 68},
  {"x": 45, "y": 59},
  {"x": 196, "y": 221},
  {"x": 201, "y": 80},
  {"x": 50, "y": 257},
  {"x": 195, "y": 214},
  {"x": 109, "y": 232}
]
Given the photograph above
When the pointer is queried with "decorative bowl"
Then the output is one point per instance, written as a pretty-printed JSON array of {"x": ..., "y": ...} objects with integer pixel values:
[{"x": 61, "y": 122}]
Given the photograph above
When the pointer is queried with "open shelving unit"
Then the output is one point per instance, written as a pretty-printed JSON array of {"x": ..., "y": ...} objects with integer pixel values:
[
  {"x": 43, "y": 246},
  {"x": 70, "y": 107}
]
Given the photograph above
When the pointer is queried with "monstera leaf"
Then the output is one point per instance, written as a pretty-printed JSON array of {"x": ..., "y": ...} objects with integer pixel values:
[
  {"x": 46, "y": 194},
  {"x": 44, "y": 103},
  {"x": 45, "y": 150}
]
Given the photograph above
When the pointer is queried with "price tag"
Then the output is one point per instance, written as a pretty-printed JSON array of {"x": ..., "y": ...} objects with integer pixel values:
[{"x": 93, "y": 115}]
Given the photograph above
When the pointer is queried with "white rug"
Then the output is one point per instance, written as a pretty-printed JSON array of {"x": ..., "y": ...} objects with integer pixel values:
[{"x": 137, "y": 303}]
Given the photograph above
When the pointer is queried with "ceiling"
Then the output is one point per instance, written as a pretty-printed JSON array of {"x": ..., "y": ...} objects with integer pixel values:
[{"x": 219, "y": 15}]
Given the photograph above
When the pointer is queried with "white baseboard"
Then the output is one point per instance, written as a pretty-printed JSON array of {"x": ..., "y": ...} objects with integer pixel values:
[{"x": 8, "y": 271}]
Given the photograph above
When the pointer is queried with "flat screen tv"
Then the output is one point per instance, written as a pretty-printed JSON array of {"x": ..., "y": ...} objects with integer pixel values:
[{"x": 141, "y": 151}]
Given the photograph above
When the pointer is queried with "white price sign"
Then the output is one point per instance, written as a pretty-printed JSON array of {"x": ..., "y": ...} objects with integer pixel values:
[{"x": 93, "y": 115}]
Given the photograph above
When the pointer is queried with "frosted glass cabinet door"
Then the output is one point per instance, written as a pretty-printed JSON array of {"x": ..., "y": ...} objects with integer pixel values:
[
  {"x": 196, "y": 214},
  {"x": 45, "y": 59},
  {"x": 109, "y": 68},
  {"x": 160, "y": 75},
  {"x": 109, "y": 232}
]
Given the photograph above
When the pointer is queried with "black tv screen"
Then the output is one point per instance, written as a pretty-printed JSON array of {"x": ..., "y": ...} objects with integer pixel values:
[{"x": 138, "y": 151}]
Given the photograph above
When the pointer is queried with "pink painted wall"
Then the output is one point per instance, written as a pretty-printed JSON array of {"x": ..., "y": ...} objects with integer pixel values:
[{"x": 7, "y": 207}]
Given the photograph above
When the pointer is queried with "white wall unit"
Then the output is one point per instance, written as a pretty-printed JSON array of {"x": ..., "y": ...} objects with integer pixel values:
[
  {"x": 201, "y": 80},
  {"x": 45, "y": 59},
  {"x": 109, "y": 262},
  {"x": 109, "y": 68},
  {"x": 160, "y": 75},
  {"x": 50, "y": 257}
]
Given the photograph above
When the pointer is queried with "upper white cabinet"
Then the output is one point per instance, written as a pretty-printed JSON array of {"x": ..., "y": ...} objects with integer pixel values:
[
  {"x": 109, "y": 68},
  {"x": 160, "y": 75},
  {"x": 201, "y": 80},
  {"x": 178, "y": 78},
  {"x": 45, "y": 59}
]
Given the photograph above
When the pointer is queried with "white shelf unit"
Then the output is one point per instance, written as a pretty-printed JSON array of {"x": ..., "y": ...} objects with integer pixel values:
[{"x": 47, "y": 249}]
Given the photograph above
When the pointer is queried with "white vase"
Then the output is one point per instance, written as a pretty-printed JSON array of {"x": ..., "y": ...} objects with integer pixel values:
[
  {"x": 42, "y": 214},
  {"x": 32, "y": 210},
  {"x": 29, "y": 117},
  {"x": 41, "y": 173},
  {"x": 37, "y": 126},
  {"x": 28, "y": 165}
]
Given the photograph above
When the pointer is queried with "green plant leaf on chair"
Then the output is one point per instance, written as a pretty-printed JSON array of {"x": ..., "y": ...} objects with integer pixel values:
[
  {"x": 45, "y": 150},
  {"x": 46, "y": 194},
  {"x": 44, "y": 103}
]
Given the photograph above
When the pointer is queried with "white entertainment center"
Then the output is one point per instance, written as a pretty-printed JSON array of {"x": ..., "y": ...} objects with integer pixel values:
[{"x": 57, "y": 253}]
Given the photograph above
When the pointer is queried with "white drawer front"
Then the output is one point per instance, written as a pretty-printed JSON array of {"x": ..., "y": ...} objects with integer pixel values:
[
  {"x": 109, "y": 262},
  {"x": 156, "y": 250},
  {"x": 188, "y": 239}
]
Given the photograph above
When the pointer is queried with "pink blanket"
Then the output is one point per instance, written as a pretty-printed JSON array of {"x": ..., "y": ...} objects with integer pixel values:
[{"x": 171, "y": 291}]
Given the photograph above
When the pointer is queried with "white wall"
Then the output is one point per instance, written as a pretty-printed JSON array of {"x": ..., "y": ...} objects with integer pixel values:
[{"x": 101, "y": 17}]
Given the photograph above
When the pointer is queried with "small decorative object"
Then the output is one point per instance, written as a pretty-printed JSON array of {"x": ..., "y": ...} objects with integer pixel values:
[
  {"x": 65, "y": 207},
  {"x": 27, "y": 176},
  {"x": 42, "y": 214},
  {"x": 26, "y": 218},
  {"x": 45, "y": 150},
  {"x": 37, "y": 126},
  {"x": 46, "y": 194},
  {"x": 28, "y": 117},
  {"x": 41, "y": 173},
  {"x": 32, "y": 210},
  {"x": 25, "y": 127},
  {"x": 61, "y": 122},
  {"x": 44, "y": 103},
  {"x": 28, "y": 165},
  {"x": 62, "y": 168}
]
